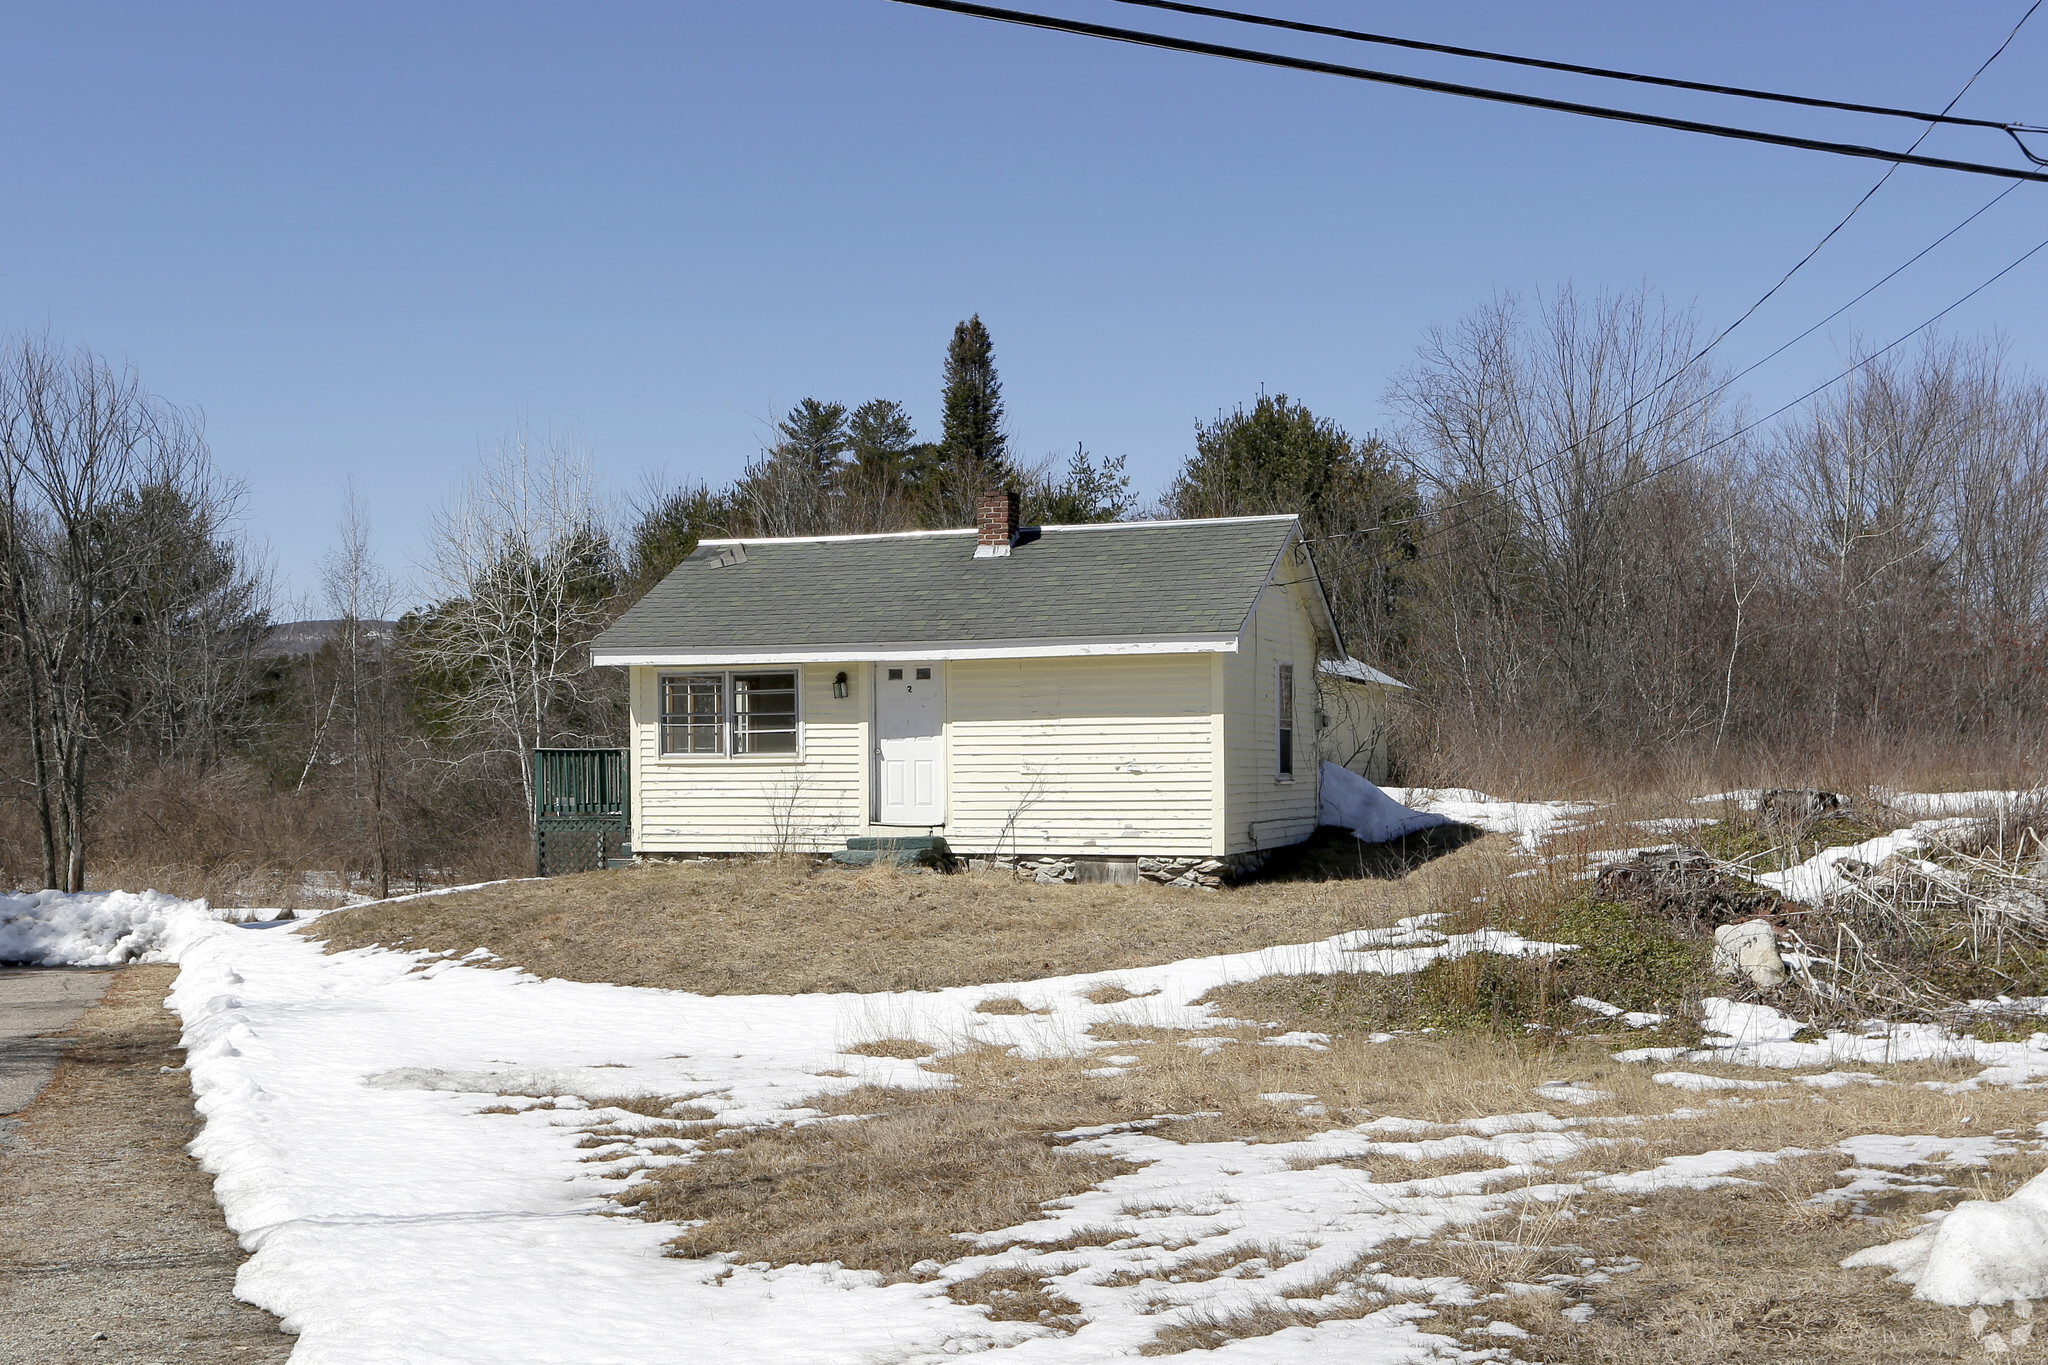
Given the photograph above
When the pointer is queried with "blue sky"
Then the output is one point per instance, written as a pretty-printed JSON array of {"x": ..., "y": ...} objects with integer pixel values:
[{"x": 367, "y": 239}]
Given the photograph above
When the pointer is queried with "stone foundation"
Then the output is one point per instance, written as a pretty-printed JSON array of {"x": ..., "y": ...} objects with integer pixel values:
[{"x": 1196, "y": 873}]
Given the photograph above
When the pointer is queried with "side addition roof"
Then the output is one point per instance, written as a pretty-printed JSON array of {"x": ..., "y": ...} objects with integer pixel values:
[
  {"x": 1353, "y": 670},
  {"x": 1126, "y": 587}
]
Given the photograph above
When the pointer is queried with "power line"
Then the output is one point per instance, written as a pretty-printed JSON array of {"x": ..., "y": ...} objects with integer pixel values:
[
  {"x": 1723, "y": 387},
  {"x": 1142, "y": 38},
  {"x": 1784, "y": 279},
  {"x": 1748, "y": 427},
  {"x": 1606, "y": 73}
]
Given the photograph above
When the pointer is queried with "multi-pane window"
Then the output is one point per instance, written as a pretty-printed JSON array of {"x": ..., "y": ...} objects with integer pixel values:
[
  {"x": 728, "y": 713},
  {"x": 1286, "y": 725},
  {"x": 764, "y": 713},
  {"x": 693, "y": 714}
]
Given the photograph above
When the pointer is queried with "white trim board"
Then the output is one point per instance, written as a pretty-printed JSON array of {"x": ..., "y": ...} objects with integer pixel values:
[
  {"x": 1084, "y": 647},
  {"x": 971, "y": 530}
]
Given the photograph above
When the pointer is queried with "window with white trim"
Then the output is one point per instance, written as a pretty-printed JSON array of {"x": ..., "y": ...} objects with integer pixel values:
[
  {"x": 1284, "y": 715},
  {"x": 735, "y": 715}
]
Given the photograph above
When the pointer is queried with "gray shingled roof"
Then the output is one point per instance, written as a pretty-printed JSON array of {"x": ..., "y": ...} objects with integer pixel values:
[{"x": 1132, "y": 579}]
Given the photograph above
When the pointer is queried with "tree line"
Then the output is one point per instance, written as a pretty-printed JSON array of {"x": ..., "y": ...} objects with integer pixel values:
[{"x": 1570, "y": 540}]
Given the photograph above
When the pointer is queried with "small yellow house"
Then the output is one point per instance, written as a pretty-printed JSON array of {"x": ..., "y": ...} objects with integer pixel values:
[{"x": 1101, "y": 701}]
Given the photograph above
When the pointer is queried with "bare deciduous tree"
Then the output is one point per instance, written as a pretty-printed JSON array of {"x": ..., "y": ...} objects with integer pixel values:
[
  {"x": 105, "y": 493},
  {"x": 522, "y": 564},
  {"x": 362, "y": 596}
]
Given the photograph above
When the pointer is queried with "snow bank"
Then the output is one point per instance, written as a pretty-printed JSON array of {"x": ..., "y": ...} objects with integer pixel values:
[
  {"x": 1956, "y": 803},
  {"x": 1819, "y": 878},
  {"x": 1349, "y": 801},
  {"x": 1532, "y": 822},
  {"x": 1981, "y": 1252},
  {"x": 94, "y": 928},
  {"x": 1743, "y": 1034}
]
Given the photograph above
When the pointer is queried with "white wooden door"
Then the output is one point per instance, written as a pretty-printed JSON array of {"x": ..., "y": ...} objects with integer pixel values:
[{"x": 911, "y": 749}]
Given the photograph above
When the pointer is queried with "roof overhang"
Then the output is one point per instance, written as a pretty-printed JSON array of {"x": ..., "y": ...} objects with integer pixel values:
[
  {"x": 1076, "y": 648},
  {"x": 1360, "y": 674}
]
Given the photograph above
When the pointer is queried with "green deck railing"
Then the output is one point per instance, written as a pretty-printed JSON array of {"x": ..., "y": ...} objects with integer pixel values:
[{"x": 582, "y": 810}]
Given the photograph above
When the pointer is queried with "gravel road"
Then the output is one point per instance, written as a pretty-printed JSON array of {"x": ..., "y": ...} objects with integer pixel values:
[
  {"x": 112, "y": 1249},
  {"x": 33, "y": 1001}
]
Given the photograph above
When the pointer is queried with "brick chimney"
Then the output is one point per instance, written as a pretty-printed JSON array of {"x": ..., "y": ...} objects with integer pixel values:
[{"x": 995, "y": 515}]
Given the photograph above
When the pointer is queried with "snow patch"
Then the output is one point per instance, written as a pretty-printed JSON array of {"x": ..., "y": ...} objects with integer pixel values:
[
  {"x": 1349, "y": 801},
  {"x": 1983, "y": 1252},
  {"x": 1533, "y": 823},
  {"x": 94, "y": 928}
]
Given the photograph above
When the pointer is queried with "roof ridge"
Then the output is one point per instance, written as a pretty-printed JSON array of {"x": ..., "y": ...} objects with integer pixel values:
[{"x": 969, "y": 530}]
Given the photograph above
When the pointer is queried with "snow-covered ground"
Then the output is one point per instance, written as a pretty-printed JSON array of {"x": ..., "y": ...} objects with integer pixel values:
[
  {"x": 1532, "y": 823},
  {"x": 391, "y": 1219},
  {"x": 95, "y": 929}
]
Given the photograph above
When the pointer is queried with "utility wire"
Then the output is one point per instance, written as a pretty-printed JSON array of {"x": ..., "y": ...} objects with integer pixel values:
[
  {"x": 1606, "y": 73},
  {"x": 1713, "y": 393},
  {"x": 1746, "y": 428},
  {"x": 1142, "y": 38},
  {"x": 1784, "y": 279},
  {"x": 1881, "y": 182}
]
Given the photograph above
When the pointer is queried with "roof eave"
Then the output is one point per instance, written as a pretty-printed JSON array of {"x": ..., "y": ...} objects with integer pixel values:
[{"x": 894, "y": 651}]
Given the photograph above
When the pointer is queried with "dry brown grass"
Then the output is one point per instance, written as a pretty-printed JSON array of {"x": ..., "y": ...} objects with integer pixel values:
[
  {"x": 1006, "y": 1004},
  {"x": 766, "y": 926},
  {"x": 882, "y": 1192},
  {"x": 1726, "y": 1276},
  {"x": 895, "y": 1178},
  {"x": 1746, "y": 1274},
  {"x": 905, "y": 1049}
]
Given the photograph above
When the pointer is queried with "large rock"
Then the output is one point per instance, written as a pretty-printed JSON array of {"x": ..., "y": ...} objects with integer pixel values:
[
  {"x": 1801, "y": 803},
  {"x": 1750, "y": 949}
]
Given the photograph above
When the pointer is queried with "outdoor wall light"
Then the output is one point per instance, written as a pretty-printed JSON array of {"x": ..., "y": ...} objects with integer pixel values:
[{"x": 839, "y": 688}]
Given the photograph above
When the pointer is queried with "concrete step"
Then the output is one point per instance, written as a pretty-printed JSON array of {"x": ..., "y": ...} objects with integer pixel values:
[{"x": 919, "y": 850}]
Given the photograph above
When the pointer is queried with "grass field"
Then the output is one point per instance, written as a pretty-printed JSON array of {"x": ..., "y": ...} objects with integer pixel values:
[{"x": 1745, "y": 1271}]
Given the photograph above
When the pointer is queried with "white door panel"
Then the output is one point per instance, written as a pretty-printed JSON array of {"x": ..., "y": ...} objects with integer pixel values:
[{"x": 910, "y": 744}]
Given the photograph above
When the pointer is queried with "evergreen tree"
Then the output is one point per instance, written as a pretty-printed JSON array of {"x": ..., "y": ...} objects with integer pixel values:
[
  {"x": 814, "y": 437},
  {"x": 973, "y": 452},
  {"x": 875, "y": 487},
  {"x": 1087, "y": 492},
  {"x": 880, "y": 439},
  {"x": 793, "y": 488},
  {"x": 1356, "y": 506},
  {"x": 667, "y": 528}
]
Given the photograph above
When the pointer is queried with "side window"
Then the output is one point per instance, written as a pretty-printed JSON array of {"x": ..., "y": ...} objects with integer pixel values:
[
  {"x": 764, "y": 713},
  {"x": 693, "y": 714},
  {"x": 1285, "y": 712}
]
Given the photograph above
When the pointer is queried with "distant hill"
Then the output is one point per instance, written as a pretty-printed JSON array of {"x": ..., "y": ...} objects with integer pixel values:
[{"x": 307, "y": 637}]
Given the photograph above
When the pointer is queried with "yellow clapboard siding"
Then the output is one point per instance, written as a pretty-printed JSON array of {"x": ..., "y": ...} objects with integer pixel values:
[
  {"x": 1263, "y": 812},
  {"x": 809, "y": 804},
  {"x": 1105, "y": 755}
]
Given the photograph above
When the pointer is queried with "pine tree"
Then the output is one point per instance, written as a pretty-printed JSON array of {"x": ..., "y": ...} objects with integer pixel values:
[
  {"x": 793, "y": 489},
  {"x": 880, "y": 437},
  {"x": 1354, "y": 502},
  {"x": 814, "y": 437},
  {"x": 973, "y": 452},
  {"x": 1087, "y": 492},
  {"x": 877, "y": 484}
]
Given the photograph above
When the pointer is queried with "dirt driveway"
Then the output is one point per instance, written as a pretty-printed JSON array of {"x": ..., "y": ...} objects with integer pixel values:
[{"x": 111, "y": 1247}]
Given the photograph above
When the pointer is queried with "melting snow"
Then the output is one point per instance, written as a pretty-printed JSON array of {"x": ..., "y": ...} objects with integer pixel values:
[
  {"x": 1533, "y": 823},
  {"x": 93, "y": 929},
  {"x": 390, "y": 1220},
  {"x": 1981, "y": 1252}
]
